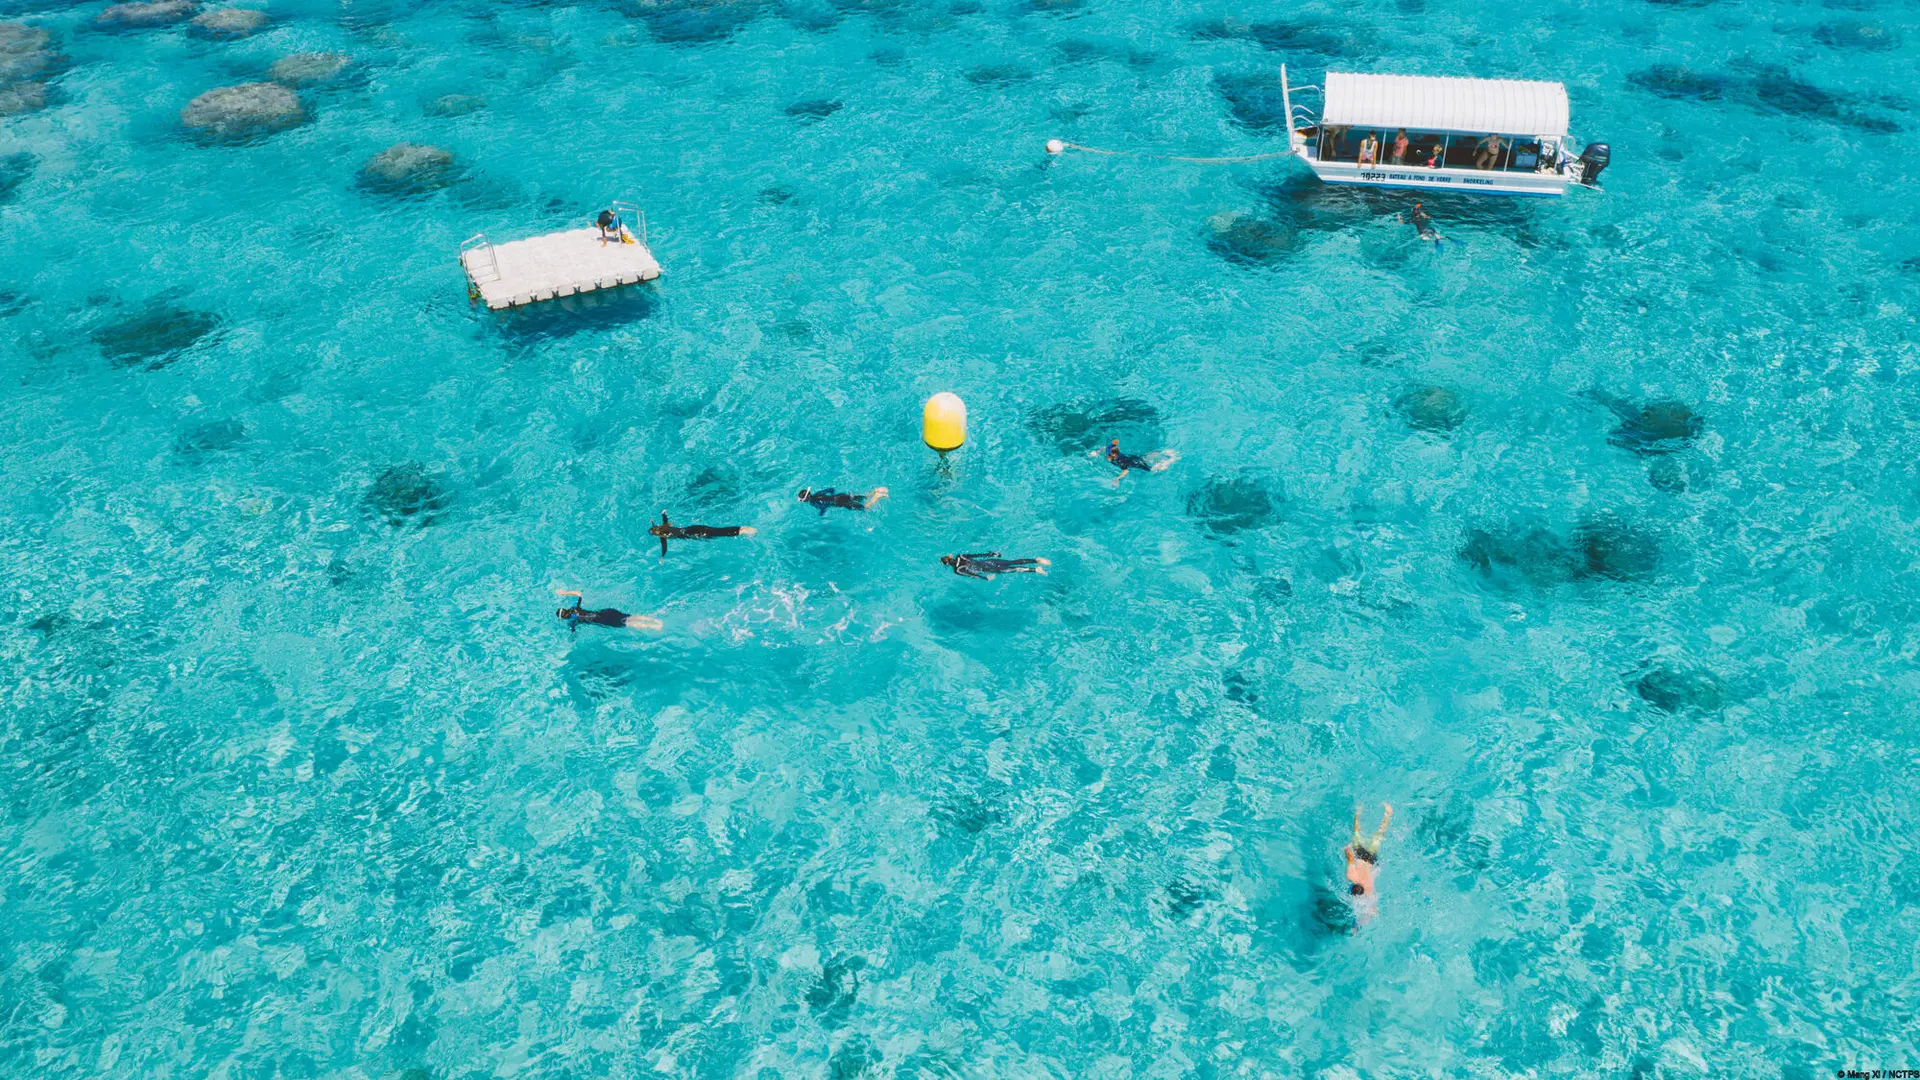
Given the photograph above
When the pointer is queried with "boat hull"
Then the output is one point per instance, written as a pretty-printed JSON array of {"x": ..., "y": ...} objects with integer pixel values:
[{"x": 1469, "y": 181}]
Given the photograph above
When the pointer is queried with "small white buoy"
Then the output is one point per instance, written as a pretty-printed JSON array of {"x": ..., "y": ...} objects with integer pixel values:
[{"x": 1055, "y": 146}]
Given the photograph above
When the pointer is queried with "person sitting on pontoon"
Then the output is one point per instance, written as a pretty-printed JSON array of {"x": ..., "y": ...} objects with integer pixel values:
[
  {"x": 1489, "y": 154},
  {"x": 1397, "y": 155},
  {"x": 1369, "y": 149}
]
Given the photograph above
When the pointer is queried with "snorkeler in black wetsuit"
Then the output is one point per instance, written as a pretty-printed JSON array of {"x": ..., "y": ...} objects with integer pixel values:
[
  {"x": 985, "y": 564},
  {"x": 827, "y": 498},
  {"x": 1154, "y": 462},
  {"x": 667, "y": 530},
  {"x": 1423, "y": 223},
  {"x": 1126, "y": 461},
  {"x": 577, "y": 614}
]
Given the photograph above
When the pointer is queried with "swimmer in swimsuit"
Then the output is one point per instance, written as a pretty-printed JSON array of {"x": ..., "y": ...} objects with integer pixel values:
[
  {"x": 985, "y": 564},
  {"x": 1363, "y": 858},
  {"x": 577, "y": 614},
  {"x": 667, "y": 530},
  {"x": 827, "y": 498},
  {"x": 1154, "y": 462}
]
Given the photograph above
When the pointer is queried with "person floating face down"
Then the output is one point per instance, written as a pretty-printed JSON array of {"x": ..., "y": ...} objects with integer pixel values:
[
  {"x": 827, "y": 499},
  {"x": 1363, "y": 858},
  {"x": 667, "y": 530},
  {"x": 985, "y": 564},
  {"x": 578, "y": 614},
  {"x": 1158, "y": 461}
]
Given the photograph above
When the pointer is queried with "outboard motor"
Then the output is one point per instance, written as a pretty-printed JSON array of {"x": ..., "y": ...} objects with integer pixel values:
[{"x": 1593, "y": 160}]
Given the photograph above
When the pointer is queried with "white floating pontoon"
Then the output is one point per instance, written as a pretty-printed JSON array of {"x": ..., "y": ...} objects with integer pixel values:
[
  {"x": 1497, "y": 136},
  {"x": 559, "y": 264}
]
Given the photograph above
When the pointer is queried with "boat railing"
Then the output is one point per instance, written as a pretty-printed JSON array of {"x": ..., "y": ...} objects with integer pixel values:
[{"x": 1299, "y": 120}]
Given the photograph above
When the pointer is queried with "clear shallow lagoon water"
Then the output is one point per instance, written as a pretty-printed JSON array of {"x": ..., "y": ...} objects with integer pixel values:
[{"x": 303, "y": 778}]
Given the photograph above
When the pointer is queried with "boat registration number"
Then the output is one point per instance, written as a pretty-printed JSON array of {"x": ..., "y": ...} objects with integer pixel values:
[{"x": 1423, "y": 177}]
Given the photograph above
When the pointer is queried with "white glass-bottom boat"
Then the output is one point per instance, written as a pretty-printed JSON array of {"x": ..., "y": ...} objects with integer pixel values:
[{"x": 1494, "y": 136}]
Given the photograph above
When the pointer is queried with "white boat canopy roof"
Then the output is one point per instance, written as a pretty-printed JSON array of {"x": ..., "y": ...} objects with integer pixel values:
[{"x": 1427, "y": 103}]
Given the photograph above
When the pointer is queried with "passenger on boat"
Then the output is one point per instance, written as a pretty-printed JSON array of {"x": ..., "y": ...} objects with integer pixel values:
[
  {"x": 1369, "y": 149},
  {"x": 1397, "y": 155},
  {"x": 577, "y": 614},
  {"x": 1489, "y": 154},
  {"x": 1437, "y": 155}
]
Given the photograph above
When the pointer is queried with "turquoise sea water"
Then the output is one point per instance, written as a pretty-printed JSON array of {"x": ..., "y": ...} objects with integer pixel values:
[{"x": 303, "y": 778}]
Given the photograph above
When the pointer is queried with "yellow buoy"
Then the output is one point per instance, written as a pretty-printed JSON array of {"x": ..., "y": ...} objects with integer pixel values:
[{"x": 943, "y": 424}]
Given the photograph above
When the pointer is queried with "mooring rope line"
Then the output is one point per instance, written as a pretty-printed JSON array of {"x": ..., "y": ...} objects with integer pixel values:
[{"x": 1055, "y": 146}]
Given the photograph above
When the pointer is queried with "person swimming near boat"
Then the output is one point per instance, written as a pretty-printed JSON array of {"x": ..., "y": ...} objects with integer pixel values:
[
  {"x": 827, "y": 499},
  {"x": 985, "y": 564},
  {"x": 1363, "y": 860},
  {"x": 578, "y": 614},
  {"x": 1423, "y": 223},
  {"x": 1158, "y": 461},
  {"x": 667, "y": 530}
]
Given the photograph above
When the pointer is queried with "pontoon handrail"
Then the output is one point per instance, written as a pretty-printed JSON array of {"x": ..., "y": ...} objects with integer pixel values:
[
  {"x": 475, "y": 243},
  {"x": 639, "y": 218}
]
